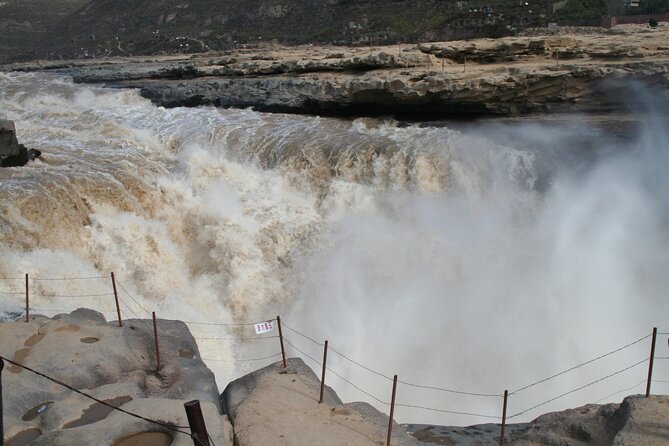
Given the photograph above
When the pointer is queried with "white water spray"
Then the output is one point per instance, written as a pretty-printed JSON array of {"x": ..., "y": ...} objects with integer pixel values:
[{"x": 477, "y": 260}]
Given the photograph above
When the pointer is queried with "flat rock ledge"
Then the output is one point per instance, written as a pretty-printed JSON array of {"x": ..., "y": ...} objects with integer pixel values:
[
  {"x": 114, "y": 364},
  {"x": 273, "y": 405},
  {"x": 586, "y": 72}
]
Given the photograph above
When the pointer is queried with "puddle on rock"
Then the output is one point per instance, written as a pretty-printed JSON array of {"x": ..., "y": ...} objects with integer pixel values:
[
  {"x": 89, "y": 340},
  {"x": 145, "y": 439},
  {"x": 24, "y": 438},
  {"x": 185, "y": 354},
  {"x": 36, "y": 411},
  {"x": 19, "y": 356},
  {"x": 97, "y": 412},
  {"x": 34, "y": 339}
]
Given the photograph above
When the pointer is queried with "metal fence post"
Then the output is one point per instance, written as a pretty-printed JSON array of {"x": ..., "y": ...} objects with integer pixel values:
[
  {"x": 325, "y": 360},
  {"x": 283, "y": 350},
  {"x": 2, "y": 430},
  {"x": 650, "y": 364},
  {"x": 118, "y": 308},
  {"x": 392, "y": 411},
  {"x": 196, "y": 422},
  {"x": 501, "y": 435},
  {"x": 27, "y": 299},
  {"x": 155, "y": 335}
]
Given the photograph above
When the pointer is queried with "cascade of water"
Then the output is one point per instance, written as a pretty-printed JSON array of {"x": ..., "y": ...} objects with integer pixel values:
[{"x": 530, "y": 245}]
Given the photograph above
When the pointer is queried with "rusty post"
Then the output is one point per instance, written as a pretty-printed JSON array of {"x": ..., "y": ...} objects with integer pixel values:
[
  {"x": 155, "y": 334},
  {"x": 27, "y": 299},
  {"x": 501, "y": 434},
  {"x": 464, "y": 65},
  {"x": 325, "y": 360},
  {"x": 283, "y": 349},
  {"x": 392, "y": 411},
  {"x": 198, "y": 429},
  {"x": 2, "y": 430},
  {"x": 650, "y": 364},
  {"x": 118, "y": 308},
  {"x": 557, "y": 58}
]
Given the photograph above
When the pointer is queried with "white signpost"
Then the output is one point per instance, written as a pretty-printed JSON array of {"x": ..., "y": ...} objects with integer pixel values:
[{"x": 264, "y": 327}]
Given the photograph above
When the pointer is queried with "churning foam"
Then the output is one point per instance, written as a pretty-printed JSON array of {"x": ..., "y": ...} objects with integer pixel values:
[{"x": 476, "y": 260}]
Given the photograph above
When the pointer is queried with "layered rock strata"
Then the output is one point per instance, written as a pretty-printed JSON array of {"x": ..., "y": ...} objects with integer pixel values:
[{"x": 596, "y": 72}]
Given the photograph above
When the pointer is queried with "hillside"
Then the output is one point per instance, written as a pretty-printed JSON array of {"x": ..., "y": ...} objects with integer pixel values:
[{"x": 32, "y": 29}]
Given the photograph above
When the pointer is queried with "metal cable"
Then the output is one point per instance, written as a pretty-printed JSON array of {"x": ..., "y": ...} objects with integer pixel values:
[
  {"x": 239, "y": 338},
  {"x": 242, "y": 360},
  {"x": 356, "y": 387},
  {"x": 494, "y": 417},
  {"x": 293, "y": 345},
  {"x": 579, "y": 365},
  {"x": 144, "y": 321},
  {"x": 39, "y": 279},
  {"x": 459, "y": 392},
  {"x": 13, "y": 293},
  {"x": 662, "y": 357},
  {"x": 659, "y": 381},
  {"x": 226, "y": 325},
  {"x": 130, "y": 296},
  {"x": 360, "y": 365},
  {"x": 579, "y": 388},
  {"x": 71, "y": 296},
  {"x": 60, "y": 383},
  {"x": 283, "y": 324},
  {"x": 620, "y": 391},
  {"x": 12, "y": 278}
]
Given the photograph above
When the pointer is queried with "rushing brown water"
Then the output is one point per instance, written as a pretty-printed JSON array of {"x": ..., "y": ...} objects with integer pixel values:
[{"x": 481, "y": 259}]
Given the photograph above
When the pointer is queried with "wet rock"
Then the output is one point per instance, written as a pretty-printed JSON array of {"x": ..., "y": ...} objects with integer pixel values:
[
  {"x": 13, "y": 154},
  {"x": 118, "y": 368}
]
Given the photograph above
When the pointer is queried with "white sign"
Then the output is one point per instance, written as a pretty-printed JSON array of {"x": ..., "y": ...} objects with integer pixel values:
[{"x": 264, "y": 327}]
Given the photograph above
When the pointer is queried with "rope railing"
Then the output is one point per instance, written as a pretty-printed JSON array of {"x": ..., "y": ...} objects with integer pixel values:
[
  {"x": 579, "y": 365},
  {"x": 72, "y": 296},
  {"x": 578, "y": 388},
  {"x": 452, "y": 412},
  {"x": 302, "y": 352},
  {"x": 225, "y": 324},
  {"x": 131, "y": 297},
  {"x": 303, "y": 335},
  {"x": 52, "y": 279},
  {"x": 621, "y": 391},
  {"x": 361, "y": 365},
  {"x": 239, "y": 338},
  {"x": 385, "y": 403},
  {"x": 243, "y": 360},
  {"x": 134, "y": 302},
  {"x": 457, "y": 392},
  {"x": 104, "y": 403}
]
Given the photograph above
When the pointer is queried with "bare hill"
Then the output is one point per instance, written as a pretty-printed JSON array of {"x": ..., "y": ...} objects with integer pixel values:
[{"x": 32, "y": 29}]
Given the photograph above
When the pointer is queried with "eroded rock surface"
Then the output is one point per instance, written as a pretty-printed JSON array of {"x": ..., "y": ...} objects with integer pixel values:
[
  {"x": 637, "y": 421},
  {"x": 119, "y": 368},
  {"x": 280, "y": 406},
  {"x": 594, "y": 72}
]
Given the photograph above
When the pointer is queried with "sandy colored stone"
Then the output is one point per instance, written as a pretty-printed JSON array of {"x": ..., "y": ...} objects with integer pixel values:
[
  {"x": 280, "y": 407},
  {"x": 118, "y": 366}
]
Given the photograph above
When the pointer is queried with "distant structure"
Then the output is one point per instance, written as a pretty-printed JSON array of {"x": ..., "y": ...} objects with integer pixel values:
[{"x": 609, "y": 21}]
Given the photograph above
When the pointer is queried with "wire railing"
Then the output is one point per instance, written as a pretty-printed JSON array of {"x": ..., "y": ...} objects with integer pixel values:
[
  {"x": 169, "y": 427},
  {"x": 135, "y": 307}
]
